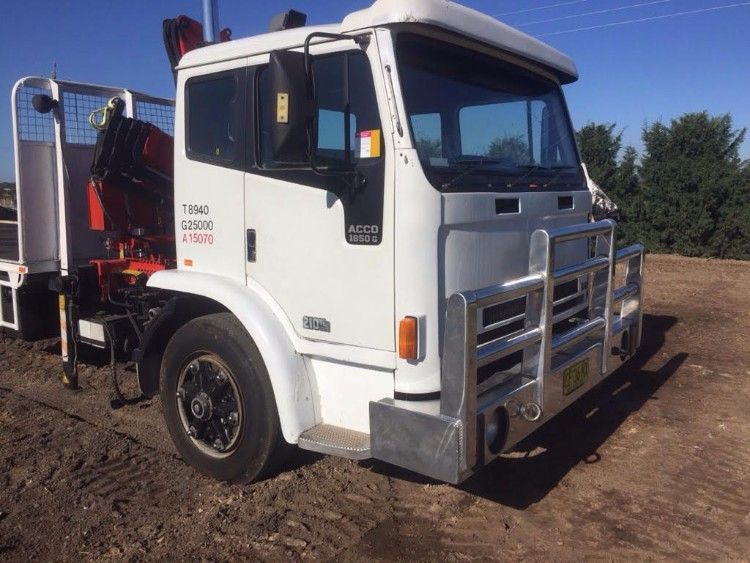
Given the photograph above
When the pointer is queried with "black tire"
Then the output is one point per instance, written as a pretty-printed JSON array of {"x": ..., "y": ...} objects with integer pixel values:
[{"x": 257, "y": 445}]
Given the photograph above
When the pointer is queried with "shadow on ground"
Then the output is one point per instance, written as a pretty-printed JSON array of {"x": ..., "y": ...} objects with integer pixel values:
[{"x": 576, "y": 434}]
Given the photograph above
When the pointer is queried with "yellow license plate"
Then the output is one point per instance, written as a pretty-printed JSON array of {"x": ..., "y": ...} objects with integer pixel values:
[{"x": 574, "y": 376}]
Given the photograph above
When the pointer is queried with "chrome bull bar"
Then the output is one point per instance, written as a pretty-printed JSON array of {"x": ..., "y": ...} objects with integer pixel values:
[{"x": 478, "y": 422}]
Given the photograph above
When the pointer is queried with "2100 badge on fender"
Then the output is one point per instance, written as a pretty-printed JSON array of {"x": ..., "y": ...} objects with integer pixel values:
[{"x": 316, "y": 323}]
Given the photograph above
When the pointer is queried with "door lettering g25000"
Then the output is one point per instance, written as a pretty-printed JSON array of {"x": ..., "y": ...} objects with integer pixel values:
[{"x": 197, "y": 226}]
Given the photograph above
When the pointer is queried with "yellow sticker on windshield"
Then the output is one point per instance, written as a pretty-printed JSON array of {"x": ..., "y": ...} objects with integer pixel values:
[{"x": 368, "y": 143}]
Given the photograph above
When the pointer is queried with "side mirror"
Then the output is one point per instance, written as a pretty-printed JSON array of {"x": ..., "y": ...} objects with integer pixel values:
[{"x": 292, "y": 108}]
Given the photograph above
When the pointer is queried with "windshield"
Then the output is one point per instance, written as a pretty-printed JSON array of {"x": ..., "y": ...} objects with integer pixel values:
[{"x": 483, "y": 124}]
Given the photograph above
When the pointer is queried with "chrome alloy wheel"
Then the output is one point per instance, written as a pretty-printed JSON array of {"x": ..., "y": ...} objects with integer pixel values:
[{"x": 210, "y": 406}]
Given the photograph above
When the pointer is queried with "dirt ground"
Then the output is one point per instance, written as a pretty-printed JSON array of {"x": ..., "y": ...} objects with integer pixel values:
[{"x": 653, "y": 464}]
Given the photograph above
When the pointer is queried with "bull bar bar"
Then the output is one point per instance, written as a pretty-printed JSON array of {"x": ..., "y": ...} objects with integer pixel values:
[{"x": 477, "y": 421}]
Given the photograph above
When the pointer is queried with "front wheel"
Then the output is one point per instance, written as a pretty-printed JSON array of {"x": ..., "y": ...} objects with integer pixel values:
[{"x": 218, "y": 401}]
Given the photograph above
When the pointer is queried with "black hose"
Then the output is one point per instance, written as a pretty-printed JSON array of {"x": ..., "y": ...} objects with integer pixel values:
[
  {"x": 124, "y": 305},
  {"x": 73, "y": 336},
  {"x": 118, "y": 400}
]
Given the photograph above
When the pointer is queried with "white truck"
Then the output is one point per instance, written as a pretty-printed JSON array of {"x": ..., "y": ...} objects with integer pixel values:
[{"x": 378, "y": 242}]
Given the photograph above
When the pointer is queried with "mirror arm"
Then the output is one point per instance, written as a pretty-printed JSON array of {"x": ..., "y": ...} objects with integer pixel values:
[
  {"x": 312, "y": 91},
  {"x": 358, "y": 39}
]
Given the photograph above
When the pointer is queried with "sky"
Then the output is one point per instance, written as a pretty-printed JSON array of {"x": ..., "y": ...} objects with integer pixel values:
[{"x": 630, "y": 74}]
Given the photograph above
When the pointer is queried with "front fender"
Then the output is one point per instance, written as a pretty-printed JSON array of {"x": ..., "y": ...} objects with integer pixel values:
[{"x": 286, "y": 368}]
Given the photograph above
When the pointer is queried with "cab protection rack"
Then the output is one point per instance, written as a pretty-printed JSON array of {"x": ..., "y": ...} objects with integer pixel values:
[{"x": 562, "y": 355}]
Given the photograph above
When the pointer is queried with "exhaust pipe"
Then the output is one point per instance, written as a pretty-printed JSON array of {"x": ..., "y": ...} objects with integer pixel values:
[{"x": 210, "y": 21}]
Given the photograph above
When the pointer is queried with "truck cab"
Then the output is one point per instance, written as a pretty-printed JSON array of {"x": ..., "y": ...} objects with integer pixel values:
[
  {"x": 383, "y": 248},
  {"x": 397, "y": 193}
]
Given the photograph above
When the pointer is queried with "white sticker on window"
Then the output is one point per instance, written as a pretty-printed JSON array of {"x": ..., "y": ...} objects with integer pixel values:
[{"x": 368, "y": 143}]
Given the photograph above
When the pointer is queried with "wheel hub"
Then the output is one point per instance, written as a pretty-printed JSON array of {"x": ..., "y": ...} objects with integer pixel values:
[
  {"x": 208, "y": 401},
  {"x": 201, "y": 406}
]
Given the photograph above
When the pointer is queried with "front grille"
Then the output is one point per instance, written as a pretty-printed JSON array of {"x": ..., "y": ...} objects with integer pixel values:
[
  {"x": 565, "y": 289},
  {"x": 499, "y": 332},
  {"x": 503, "y": 365},
  {"x": 567, "y": 292},
  {"x": 502, "y": 311},
  {"x": 504, "y": 319},
  {"x": 562, "y": 307}
]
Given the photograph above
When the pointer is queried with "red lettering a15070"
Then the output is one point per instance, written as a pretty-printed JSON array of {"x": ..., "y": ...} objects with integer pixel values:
[{"x": 198, "y": 238}]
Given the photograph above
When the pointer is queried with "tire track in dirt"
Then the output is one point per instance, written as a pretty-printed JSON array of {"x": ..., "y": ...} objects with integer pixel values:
[
  {"x": 661, "y": 470},
  {"x": 682, "y": 508},
  {"x": 432, "y": 521},
  {"x": 114, "y": 477},
  {"x": 127, "y": 476},
  {"x": 298, "y": 520},
  {"x": 310, "y": 520}
]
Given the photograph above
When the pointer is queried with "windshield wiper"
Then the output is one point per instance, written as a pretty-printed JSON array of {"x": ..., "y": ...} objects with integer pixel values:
[
  {"x": 476, "y": 165},
  {"x": 535, "y": 168},
  {"x": 556, "y": 176},
  {"x": 531, "y": 169}
]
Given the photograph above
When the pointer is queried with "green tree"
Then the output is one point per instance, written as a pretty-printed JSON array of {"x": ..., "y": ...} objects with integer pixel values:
[
  {"x": 625, "y": 189},
  {"x": 427, "y": 147},
  {"x": 600, "y": 146},
  {"x": 512, "y": 148},
  {"x": 695, "y": 188},
  {"x": 734, "y": 219}
]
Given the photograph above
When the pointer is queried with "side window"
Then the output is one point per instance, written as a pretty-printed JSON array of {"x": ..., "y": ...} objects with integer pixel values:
[
  {"x": 213, "y": 120},
  {"x": 428, "y": 133},
  {"x": 346, "y": 117},
  {"x": 363, "y": 105},
  {"x": 332, "y": 111},
  {"x": 332, "y": 136},
  {"x": 553, "y": 149}
]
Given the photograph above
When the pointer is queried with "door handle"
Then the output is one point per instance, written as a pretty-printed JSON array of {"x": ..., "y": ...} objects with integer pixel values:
[{"x": 251, "y": 255}]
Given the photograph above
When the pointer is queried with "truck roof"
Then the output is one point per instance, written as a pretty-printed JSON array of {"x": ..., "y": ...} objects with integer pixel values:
[{"x": 444, "y": 14}]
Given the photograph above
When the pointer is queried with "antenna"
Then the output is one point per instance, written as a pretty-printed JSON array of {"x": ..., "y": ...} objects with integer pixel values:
[
  {"x": 210, "y": 21},
  {"x": 53, "y": 72}
]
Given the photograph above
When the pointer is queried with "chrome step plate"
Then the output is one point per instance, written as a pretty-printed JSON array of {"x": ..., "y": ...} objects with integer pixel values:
[{"x": 334, "y": 440}]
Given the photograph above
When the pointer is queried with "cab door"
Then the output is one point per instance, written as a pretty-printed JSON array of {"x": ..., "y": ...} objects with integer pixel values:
[
  {"x": 322, "y": 242},
  {"x": 209, "y": 170}
]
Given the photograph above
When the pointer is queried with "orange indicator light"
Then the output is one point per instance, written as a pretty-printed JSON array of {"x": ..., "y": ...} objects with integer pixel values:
[{"x": 407, "y": 338}]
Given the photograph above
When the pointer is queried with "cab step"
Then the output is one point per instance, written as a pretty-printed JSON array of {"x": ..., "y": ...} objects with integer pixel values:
[{"x": 334, "y": 440}]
